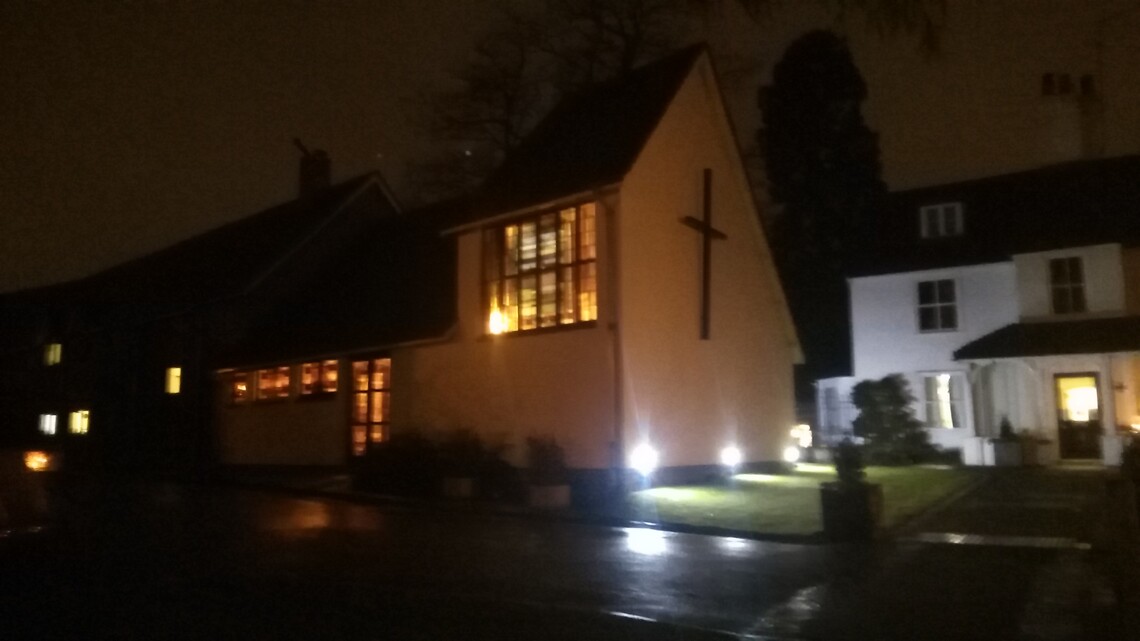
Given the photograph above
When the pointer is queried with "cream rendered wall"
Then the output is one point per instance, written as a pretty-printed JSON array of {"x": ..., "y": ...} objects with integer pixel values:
[
  {"x": 691, "y": 397},
  {"x": 547, "y": 383},
  {"x": 1104, "y": 281},
  {"x": 292, "y": 431}
]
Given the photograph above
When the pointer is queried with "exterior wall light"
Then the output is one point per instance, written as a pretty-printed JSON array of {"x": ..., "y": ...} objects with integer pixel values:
[
  {"x": 731, "y": 456},
  {"x": 791, "y": 454},
  {"x": 643, "y": 458}
]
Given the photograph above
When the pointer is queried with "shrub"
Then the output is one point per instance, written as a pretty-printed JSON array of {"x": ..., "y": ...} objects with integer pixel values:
[
  {"x": 891, "y": 433},
  {"x": 848, "y": 463},
  {"x": 408, "y": 464},
  {"x": 546, "y": 462}
]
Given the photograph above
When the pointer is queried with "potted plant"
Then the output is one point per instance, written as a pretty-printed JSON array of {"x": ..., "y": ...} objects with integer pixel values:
[
  {"x": 547, "y": 478},
  {"x": 851, "y": 507},
  {"x": 1005, "y": 450}
]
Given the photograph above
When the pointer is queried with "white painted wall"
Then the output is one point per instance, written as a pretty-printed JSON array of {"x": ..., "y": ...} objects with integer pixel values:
[
  {"x": 1104, "y": 282},
  {"x": 692, "y": 397},
  {"x": 884, "y": 318}
]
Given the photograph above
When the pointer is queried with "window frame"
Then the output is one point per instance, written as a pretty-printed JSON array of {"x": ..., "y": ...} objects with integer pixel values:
[
  {"x": 322, "y": 384},
  {"x": 941, "y": 220},
  {"x": 49, "y": 424},
  {"x": 956, "y": 405},
  {"x": 937, "y": 305},
  {"x": 1069, "y": 289},
  {"x": 173, "y": 383},
  {"x": 549, "y": 282},
  {"x": 79, "y": 422},
  {"x": 53, "y": 354},
  {"x": 277, "y": 392},
  {"x": 369, "y": 425}
]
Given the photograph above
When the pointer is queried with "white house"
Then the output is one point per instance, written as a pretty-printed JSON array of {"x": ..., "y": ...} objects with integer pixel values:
[{"x": 1014, "y": 298}]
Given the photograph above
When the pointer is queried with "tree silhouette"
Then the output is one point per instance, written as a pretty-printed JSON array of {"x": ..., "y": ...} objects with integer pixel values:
[{"x": 822, "y": 163}]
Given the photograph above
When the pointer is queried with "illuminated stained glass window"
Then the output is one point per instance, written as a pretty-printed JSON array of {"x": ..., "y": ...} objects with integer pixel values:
[
  {"x": 273, "y": 383},
  {"x": 239, "y": 387},
  {"x": 371, "y": 402},
  {"x": 319, "y": 377},
  {"x": 541, "y": 271}
]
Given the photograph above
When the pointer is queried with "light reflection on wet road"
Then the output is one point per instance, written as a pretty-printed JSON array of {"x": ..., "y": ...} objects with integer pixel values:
[{"x": 156, "y": 555}]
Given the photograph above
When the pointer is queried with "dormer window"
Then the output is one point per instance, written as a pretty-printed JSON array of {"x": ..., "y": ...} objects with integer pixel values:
[
  {"x": 940, "y": 221},
  {"x": 1067, "y": 282}
]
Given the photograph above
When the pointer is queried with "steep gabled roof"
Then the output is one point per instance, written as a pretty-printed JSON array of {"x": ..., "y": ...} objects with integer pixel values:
[
  {"x": 1064, "y": 205},
  {"x": 590, "y": 140},
  {"x": 1090, "y": 336}
]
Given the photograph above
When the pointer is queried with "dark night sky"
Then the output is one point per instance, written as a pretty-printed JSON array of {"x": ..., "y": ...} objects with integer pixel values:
[
  {"x": 127, "y": 125},
  {"x": 130, "y": 124}
]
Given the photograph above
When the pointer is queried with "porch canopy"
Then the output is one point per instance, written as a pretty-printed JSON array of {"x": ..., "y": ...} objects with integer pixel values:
[{"x": 1051, "y": 338}]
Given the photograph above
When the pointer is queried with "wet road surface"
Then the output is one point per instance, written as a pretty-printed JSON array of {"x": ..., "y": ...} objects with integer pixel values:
[{"x": 139, "y": 561}]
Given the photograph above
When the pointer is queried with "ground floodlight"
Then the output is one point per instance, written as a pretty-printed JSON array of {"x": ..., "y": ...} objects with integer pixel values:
[
  {"x": 643, "y": 458},
  {"x": 731, "y": 456}
]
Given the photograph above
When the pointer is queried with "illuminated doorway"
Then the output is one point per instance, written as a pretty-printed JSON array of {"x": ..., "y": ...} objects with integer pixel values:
[
  {"x": 1078, "y": 415},
  {"x": 371, "y": 392}
]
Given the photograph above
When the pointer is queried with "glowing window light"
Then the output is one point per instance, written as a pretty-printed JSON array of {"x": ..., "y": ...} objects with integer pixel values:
[
  {"x": 53, "y": 353},
  {"x": 79, "y": 421},
  {"x": 643, "y": 458},
  {"x": 791, "y": 454},
  {"x": 496, "y": 324},
  {"x": 802, "y": 434},
  {"x": 731, "y": 456},
  {"x": 48, "y": 424},
  {"x": 37, "y": 461},
  {"x": 173, "y": 380}
]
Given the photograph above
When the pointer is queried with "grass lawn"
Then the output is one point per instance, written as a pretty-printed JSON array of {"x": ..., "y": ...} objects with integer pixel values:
[{"x": 789, "y": 503}]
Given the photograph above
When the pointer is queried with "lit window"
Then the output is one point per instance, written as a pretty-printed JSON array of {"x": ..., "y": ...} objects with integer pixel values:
[
  {"x": 1067, "y": 280},
  {"x": 53, "y": 353},
  {"x": 79, "y": 421},
  {"x": 239, "y": 387},
  {"x": 318, "y": 377},
  {"x": 273, "y": 383},
  {"x": 371, "y": 401},
  {"x": 47, "y": 424},
  {"x": 937, "y": 306},
  {"x": 943, "y": 398},
  {"x": 940, "y": 221},
  {"x": 173, "y": 380},
  {"x": 541, "y": 271}
]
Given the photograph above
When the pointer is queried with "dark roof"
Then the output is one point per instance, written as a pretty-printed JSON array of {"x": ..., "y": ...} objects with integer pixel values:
[
  {"x": 221, "y": 262},
  {"x": 394, "y": 283},
  {"x": 1064, "y": 205},
  {"x": 1092, "y": 336},
  {"x": 590, "y": 140}
]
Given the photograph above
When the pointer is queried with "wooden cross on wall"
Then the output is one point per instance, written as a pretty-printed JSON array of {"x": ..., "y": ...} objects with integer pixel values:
[{"x": 708, "y": 233}]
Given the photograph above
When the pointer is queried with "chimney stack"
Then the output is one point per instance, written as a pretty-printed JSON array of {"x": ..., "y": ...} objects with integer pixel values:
[{"x": 315, "y": 170}]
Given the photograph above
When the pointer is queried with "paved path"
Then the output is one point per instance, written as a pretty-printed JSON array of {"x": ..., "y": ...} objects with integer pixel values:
[{"x": 1023, "y": 556}]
